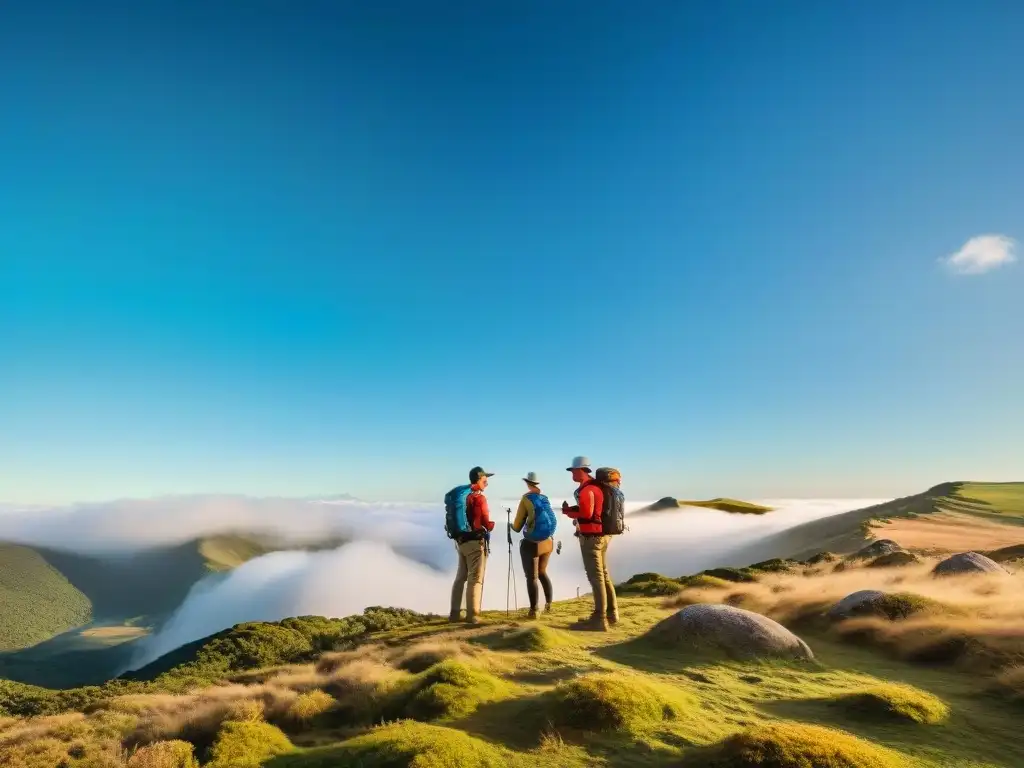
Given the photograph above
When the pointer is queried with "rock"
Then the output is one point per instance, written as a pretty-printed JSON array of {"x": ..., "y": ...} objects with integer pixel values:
[
  {"x": 849, "y": 604},
  {"x": 894, "y": 560},
  {"x": 877, "y": 549},
  {"x": 737, "y": 632},
  {"x": 821, "y": 557},
  {"x": 968, "y": 562}
]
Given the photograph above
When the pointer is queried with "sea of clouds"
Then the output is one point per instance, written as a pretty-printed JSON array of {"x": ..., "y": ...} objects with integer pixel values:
[{"x": 396, "y": 555}]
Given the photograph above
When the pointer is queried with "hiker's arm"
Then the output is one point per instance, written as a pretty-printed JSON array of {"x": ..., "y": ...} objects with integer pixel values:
[
  {"x": 485, "y": 514},
  {"x": 522, "y": 514},
  {"x": 588, "y": 504}
]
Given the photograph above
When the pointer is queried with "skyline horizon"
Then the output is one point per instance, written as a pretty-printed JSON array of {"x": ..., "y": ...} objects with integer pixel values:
[{"x": 729, "y": 249}]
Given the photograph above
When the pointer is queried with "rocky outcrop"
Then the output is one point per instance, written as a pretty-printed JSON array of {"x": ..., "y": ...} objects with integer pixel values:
[
  {"x": 854, "y": 602},
  {"x": 968, "y": 562},
  {"x": 877, "y": 549},
  {"x": 733, "y": 631}
]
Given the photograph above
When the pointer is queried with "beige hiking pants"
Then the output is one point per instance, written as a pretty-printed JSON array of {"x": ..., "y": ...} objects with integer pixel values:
[
  {"x": 595, "y": 551},
  {"x": 472, "y": 563}
]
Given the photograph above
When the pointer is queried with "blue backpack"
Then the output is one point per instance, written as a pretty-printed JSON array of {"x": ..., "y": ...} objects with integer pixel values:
[
  {"x": 455, "y": 521},
  {"x": 544, "y": 520}
]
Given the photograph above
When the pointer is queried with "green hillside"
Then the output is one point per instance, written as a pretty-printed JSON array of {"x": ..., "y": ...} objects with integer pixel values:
[
  {"x": 36, "y": 600},
  {"x": 392, "y": 688},
  {"x": 1000, "y": 502}
]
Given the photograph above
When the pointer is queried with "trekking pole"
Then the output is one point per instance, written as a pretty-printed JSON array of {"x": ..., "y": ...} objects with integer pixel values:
[{"x": 510, "y": 584}]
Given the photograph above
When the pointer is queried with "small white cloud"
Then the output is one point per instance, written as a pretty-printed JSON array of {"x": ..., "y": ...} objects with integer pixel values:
[{"x": 982, "y": 254}]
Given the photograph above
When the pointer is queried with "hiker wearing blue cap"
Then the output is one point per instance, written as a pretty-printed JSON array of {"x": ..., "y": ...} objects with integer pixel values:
[{"x": 537, "y": 522}]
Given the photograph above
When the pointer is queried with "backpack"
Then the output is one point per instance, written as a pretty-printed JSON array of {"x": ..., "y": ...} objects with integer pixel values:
[
  {"x": 613, "y": 513},
  {"x": 456, "y": 523},
  {"x": 544, "y": 520}
]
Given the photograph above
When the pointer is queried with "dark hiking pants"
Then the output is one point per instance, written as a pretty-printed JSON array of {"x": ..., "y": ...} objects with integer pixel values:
[{"x": 535, "y": 556}]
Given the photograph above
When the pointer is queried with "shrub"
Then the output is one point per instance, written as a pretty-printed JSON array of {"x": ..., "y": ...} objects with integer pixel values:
[
  {"x": 650, "y": 585},
  {"x": 900, "y": 605},
  {"x": 405, "y": 743},
  {"x": 796, "y": 745},
  {"x": 446, "y": 690},
  {"x": 247, "y": 745},
  {"x": 610, "y": 702},
  {"x": 164, "y": 754},
  {"x": 309, "y": 706},
  {"x": 738, "y": 575},
  {"x": 891, "y": 701},
  {"x": 529, "y": 639}
]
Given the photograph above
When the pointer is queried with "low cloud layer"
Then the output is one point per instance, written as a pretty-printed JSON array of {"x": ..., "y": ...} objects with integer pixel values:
[
  {"x": 372, "y": 570},
  {"x": 982, "y": 254}
]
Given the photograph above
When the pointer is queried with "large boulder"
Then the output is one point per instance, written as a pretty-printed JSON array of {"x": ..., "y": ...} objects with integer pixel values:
[
  {"x": 736, "y": 632},
  {"x": 853, "y": 602},
  {"x": 877, "y": 549},
  {"x": 968, "y": 562}
]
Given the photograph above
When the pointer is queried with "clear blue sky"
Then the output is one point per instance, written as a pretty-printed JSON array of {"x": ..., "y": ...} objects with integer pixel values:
[{"x": 301, "y": 248}]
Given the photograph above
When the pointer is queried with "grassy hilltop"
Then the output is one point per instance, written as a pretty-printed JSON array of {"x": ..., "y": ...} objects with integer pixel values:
[{"x": 923, "y": 671}]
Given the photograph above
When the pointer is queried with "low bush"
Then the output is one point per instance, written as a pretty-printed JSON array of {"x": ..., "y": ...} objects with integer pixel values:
[
  {"x": 611, "y": 702},
  {"x": 247, "y": 745},
  {"x": 893, "y": 702},
  {"x": 446, "y": 690},
  {"x": 405, "y": 743},
  {"x": 164, "y": 754},
  {"x": 796, "y": 745}
]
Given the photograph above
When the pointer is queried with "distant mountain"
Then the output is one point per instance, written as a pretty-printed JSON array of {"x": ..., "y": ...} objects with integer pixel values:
[
  {"x": 45, "y": 592},
  {"x": 848, "y": 532},
  {"x": 733, "y": 506}
]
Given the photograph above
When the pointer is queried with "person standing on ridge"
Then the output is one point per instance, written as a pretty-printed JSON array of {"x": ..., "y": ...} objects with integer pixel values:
[
  {"x": 538, "y": 542},
  {"x": 587, "y": 513},
  {"x": 472, "y": 548}
]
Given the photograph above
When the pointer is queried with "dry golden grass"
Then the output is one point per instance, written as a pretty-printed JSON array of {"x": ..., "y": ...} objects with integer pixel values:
[
  {"x": 973, "y": 620},
  {"x": 948, "y": 532}
]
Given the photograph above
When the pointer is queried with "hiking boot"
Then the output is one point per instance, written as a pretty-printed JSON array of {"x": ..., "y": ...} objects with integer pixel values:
[
  {"x": 454, "y": 618},
  {"x": 532, "y": 614},
  {"x": 472, "y": 619},
  {"x": 547, "y": 608},
  {"x": 613, "y": 619},
  {"x": 591, "y": 624}
]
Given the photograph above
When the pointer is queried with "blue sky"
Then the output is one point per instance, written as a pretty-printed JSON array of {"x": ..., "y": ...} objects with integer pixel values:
[{"x": 360, "y": 247}]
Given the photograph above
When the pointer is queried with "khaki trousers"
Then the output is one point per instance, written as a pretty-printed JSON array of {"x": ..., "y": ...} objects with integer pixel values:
[
  {"x": 472, "y": 563},
  {"x": 595, "y": 551}
]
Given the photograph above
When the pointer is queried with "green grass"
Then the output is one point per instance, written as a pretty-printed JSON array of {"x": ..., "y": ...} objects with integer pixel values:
[
  {"x": 985, "y": 499},
  {"x": 796, "y": 745},
  {"x": 893, "y": 703},
  {"x": 36, "y": 600},
  {"x": 447, "y": 690},
  {"x": 247, "y": 745},
  {"x": 616, "y": 702},
  {"x": 404, "y": 744},
  {"x": 537, "y": 694}
]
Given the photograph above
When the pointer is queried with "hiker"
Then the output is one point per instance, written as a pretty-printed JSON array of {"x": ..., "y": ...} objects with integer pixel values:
[
  {"x": 537, "y": 522},
  {"x": 595, "y": 500},
  {"x": 468, "y": 522}
]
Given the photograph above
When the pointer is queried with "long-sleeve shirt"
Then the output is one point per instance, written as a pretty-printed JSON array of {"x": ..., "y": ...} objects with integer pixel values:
[
  {"x": 588, "y": 512},
  {"x": 524, "y": 515},
  {"x": 477, "y": 514}
]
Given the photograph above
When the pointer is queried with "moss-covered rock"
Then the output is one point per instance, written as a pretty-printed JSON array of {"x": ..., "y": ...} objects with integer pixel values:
[
  {"x": 612, "y": 702},
  {"x": 893, "y": 702},
  {"x": 730, "y": 631},
  {"x": 796, "y": 745},
  {"x": 529, "y": 639}
]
